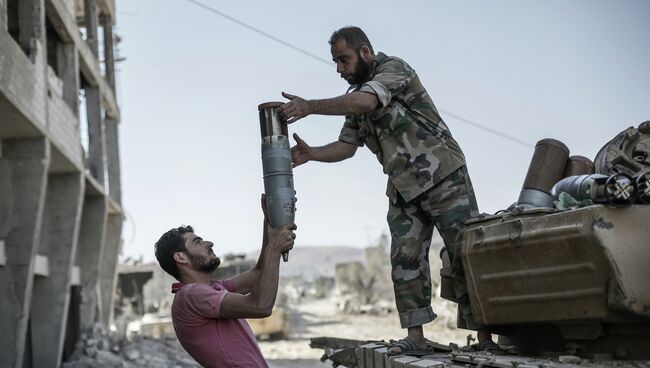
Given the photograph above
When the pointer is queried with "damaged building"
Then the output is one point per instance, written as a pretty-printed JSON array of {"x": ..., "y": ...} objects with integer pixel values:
[{"x": 60, "y": 200}]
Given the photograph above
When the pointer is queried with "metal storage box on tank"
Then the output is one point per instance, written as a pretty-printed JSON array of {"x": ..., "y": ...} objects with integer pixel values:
[{"x": 587, "y": 263}]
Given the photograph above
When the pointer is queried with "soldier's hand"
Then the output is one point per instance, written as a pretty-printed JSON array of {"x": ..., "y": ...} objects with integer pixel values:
[
  {"x": 301, "y": 152},
  {"x": 294, "y": 110},
  {"x": 281, "y": 238}
]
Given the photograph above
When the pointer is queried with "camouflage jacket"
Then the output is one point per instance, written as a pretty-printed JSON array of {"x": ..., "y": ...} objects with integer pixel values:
[{"x": 405, "y": 132}]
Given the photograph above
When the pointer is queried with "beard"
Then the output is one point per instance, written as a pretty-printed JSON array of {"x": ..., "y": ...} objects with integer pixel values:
[
  {"x": 361, "y": 71},
  {"x": 204, "y": 264}
]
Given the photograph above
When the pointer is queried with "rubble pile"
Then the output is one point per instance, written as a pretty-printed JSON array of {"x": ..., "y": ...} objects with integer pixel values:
[
  {"x": 366, "y": 287},
  {"x": 101, "y": 348}
]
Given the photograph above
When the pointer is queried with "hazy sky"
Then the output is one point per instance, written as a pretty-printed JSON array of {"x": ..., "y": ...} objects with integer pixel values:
[{"x": 189, "y": 88}]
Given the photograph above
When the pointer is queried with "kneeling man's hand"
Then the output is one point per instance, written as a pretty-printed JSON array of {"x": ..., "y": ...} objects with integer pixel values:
[{"x": 281, "y": 239}]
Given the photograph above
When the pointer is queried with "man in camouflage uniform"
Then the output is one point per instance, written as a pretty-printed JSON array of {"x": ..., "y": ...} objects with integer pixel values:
[{"x": 388, "y": 110}]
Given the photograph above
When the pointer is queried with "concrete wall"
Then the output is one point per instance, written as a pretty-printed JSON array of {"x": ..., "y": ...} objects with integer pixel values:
[{"x": 57, "y": 217}]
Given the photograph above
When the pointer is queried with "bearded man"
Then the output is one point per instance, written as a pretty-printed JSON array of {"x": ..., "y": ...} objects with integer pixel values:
[
  {"x": 209, "y": 315},
  {"x": 388, "y": 110}
]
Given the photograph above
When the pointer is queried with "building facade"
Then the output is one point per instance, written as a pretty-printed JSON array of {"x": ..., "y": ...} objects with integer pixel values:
[{"x": 60, "y": 198}]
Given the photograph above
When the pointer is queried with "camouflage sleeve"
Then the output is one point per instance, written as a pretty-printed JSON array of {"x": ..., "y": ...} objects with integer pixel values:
[
  {"x": 350, "y": 132},
  {"x": 392, "y": 78}
]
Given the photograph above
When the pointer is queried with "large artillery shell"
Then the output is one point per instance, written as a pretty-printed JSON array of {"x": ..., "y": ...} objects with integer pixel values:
[
  {"x": 276, "y": 166},
  {"x": 278, "y": 181},
  {"x": 546, "y": 168}
]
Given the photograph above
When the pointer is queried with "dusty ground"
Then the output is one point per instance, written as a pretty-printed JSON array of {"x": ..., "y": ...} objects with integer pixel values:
[
  {"x": 321, "y": 318},
  {"x": 308, "y": 319}
]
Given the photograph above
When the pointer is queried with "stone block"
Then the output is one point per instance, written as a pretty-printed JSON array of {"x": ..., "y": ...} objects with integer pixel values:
[
  {"x": 427, "y": 363},
  {"x": 369, "y": 354},
  {"x": 380, "y": 357},
  {"x": 402, "y": 361}
]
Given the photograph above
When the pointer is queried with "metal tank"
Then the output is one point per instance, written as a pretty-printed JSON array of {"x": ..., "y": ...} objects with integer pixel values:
[
  {"x": 559, "y": 286},
  {"x": 548, "y": 278},
  {"x": 572, "y": 281}
]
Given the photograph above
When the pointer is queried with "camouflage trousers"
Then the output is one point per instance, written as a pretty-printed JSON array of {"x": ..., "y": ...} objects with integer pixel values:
[{"x": 446, "y": 207}]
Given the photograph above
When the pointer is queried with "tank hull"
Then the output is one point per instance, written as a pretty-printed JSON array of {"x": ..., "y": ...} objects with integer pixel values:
[{"x": 546, "y": 279}]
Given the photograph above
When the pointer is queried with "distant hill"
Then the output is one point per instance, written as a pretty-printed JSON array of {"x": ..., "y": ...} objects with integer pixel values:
[{"x": 314, "y": 261}]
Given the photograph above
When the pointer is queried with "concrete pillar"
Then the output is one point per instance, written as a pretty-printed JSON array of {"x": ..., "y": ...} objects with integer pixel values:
[
  {"x": 68, "y": 62},
  {"x": 96, "y": 137},
  {"x": 69, "y": 6},
  {"x": 109, "y": 58},
  {"x": 113, "y": 160},
  {"x": 90, "y": 15},
  {"x": 91, "y": 242},
  {"x": 51, "y": 295},
  {"x": 108, "y": 264},
  {"x": 111, "y": 126},
  {"x": 29, "y": 161}
]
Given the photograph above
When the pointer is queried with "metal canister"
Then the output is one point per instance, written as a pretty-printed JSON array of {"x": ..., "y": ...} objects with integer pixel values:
[
  {"x": 546, "y": 168},
  {"x": 579, "y": 165},
  {"x": 642, "y": 184},
  {"x": 276, "y": 165},
  {"x": 616, "y": 189}
]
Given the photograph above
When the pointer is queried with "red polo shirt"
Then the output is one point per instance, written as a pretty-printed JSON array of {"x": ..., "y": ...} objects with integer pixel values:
[{"x": 210, "y": 340}]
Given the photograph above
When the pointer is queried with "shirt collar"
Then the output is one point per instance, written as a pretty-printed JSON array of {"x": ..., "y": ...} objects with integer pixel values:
[
  {"x": 179, "y": 285},
  {"x": 380, "y": 58}
]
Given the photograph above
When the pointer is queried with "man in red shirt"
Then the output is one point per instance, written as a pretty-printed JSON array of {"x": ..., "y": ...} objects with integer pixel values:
[{"x": 208, "y": 315}]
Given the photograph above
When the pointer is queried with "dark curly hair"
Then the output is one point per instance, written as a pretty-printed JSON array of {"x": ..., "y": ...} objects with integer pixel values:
[
  {"x": 353, "y": 36},
  {"x": 168, "y": 244}
]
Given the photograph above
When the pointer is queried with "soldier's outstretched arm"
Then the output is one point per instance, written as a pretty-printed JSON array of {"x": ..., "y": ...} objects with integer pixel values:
[
  {"x": 353, "y": 103},
  {"x": 334, "y": 152}
]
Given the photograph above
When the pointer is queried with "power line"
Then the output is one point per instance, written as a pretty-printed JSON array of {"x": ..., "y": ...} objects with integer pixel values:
[
  {"x": 483, "y": 127},
  {"x": 329, "y": 62},
  {"x": 259, "y": 31}
]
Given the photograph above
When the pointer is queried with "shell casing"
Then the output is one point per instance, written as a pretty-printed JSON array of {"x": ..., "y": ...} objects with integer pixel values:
[
  {"x": 276, "y": 167},
  {"x": 278, "y": 181},
  {"x": 616, "y": 189},
  {"x": 546, "y": 168}
]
